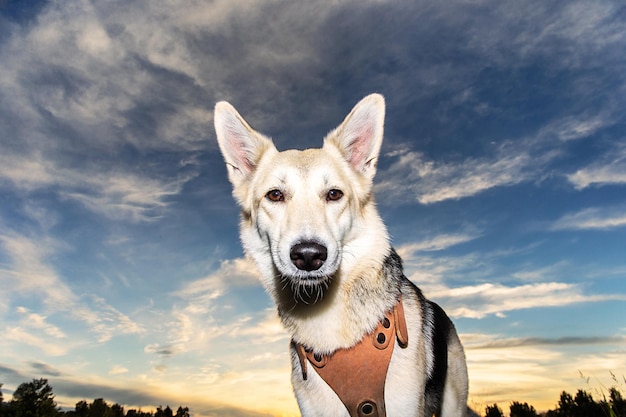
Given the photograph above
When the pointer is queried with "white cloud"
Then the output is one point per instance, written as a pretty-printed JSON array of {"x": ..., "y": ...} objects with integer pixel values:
[
  {"x": 126, "y": 196},
  {"x": 191, "y": 326},
  {"x": 30, "y": 273},
  {"x": 114, "y": 194},
  {"x": 412, "y": 176},
  {"x": 38, "y": 321},
  {"x": 594, "y": 218},
  {"x": 545, "y": 273},
  {"x": 479, "y": 301},
  {"x": 24, "y": 337},
  {"x": 118, "y": 370},
  {"x": 487, "y": 295},
  {"x": 436, "y": 243},
  {"x": 105, "y": 320},
  {"x": 576, "y": 126},
  {"x": 268, "y": 330},
  {"x": 428, "y": 182},
  {"x": 568, "y": 36},
  {"x": 504, "y": 369},
  {"x": 610, "y": 169},
  {"x": 231, "y": 273}
]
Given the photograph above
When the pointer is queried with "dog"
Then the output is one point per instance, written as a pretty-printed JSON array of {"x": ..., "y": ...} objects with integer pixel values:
[{"x": 310, "y": 224}]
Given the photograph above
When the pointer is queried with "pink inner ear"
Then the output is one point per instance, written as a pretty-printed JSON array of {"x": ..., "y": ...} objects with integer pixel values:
[
  {"x": 242, "y": 156},
  {"x": 359, "y": 148}
]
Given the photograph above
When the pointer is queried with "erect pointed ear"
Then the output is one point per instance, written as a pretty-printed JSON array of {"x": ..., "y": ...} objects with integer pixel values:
[
  {"x": 360, "y": 135},
  {"x": 241, "y": 146}
]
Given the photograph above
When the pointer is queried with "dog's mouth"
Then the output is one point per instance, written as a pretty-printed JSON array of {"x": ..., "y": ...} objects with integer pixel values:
[{"x": 309, "y": 290}]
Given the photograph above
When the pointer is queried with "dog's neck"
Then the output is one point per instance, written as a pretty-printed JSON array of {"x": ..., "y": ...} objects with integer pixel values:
[{"x": 350, "y": 307}]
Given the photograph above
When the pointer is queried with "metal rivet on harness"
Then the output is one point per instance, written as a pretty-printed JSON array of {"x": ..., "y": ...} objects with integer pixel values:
[
  {"x": 381, "y": 338},
  {"x": 367, "y": 409}
]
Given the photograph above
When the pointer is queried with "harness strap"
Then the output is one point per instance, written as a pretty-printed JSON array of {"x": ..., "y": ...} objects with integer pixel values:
[{"x": 358, "y": 374}]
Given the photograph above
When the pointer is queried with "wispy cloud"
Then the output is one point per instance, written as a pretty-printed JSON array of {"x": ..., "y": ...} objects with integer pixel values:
[
  {"x": 191, "y": 324},
  {"x": 611, "y": 169},
  {"x": 504, "y": 343},
  {"x": 479, "y": 301},
  {"x": 21, "y": 337},
  {"x": 231, "y": 273},
  {"x": 445, "y": 278},
  {"x": 268, "y": 330},
  {"x": 544, "y": 273},
  {"x": 436, "y": 243},
  {"x": 29, "y": 273},
  {"x": 147, "y": 392},
  {"x": 431, "y": 182},
  {"x": 118, "y": 370},
  {"x": 115, "y": 194},
  {"x": 105, "y": 320},
  {"x": 576, "y": 127},
  {"x": 594, "y": 218},
  {"x": 38, "y": 321},
  {"x": 584, "y": 28},
  {"x": 412, "y": 176},
  {"x": 45, "y": 369},
  {"x": 505, "y": 369}
]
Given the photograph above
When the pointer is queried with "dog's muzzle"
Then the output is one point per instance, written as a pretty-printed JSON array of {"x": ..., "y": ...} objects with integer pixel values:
[{"x": 308, "y": 256}]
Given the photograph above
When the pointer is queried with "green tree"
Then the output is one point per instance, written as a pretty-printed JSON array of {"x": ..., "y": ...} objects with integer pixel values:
[
  {"x": 81, "y": 409},
  {"x": 182, "y": 412},
  {"x": 567, "y": 406},
  {"x": 586, "y": 406},
  {"x": 34, "y": 399},
  {"x": 117, "y": 410},
  {"x": 99, "y": 408},
  {"x": 1, "y": 402},
  {"x": 618, "y": 404},
  {"x": 522, "y": 410},
  {"x": 493, "y": 411}
]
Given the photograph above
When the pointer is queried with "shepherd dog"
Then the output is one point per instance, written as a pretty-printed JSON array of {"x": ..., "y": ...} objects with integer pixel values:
[{"x": 364, "y": 339}]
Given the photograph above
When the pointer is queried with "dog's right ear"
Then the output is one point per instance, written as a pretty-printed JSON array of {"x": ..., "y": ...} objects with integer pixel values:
[{"x": 242, "y": 147}]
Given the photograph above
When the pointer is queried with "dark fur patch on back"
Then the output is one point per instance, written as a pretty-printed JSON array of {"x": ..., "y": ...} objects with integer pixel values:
[
  {"x": 392, "y": 267},
  {"x": 436, "y": 330},
  {"x": 437, "y": 380}
]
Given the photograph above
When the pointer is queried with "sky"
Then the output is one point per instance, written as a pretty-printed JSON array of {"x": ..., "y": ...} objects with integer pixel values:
[{"x": 502, "y": 181}]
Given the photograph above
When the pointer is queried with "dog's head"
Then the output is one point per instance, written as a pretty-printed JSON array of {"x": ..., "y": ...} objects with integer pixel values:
[{"x": 305, "y": 214}]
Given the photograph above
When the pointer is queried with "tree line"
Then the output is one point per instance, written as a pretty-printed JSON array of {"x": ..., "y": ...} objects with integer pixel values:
[
  {"x": 36, "y": 399},
  {"x": 580, "y": 405}
]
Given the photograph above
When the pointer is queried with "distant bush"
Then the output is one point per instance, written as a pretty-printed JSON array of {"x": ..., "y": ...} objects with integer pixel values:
[
  {"x": 580, "y": 405},
  {"x": 35, "y": 399}
]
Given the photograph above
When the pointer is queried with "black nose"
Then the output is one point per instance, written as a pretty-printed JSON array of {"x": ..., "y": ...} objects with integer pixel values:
[{"x": 308, "y": 256}]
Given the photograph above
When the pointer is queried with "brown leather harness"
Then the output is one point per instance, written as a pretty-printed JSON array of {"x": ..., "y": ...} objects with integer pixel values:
[{"x": 358, "y": 374}]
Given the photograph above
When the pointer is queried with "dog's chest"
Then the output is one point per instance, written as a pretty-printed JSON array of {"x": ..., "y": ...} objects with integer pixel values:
[{"x": 358, "y": 375}]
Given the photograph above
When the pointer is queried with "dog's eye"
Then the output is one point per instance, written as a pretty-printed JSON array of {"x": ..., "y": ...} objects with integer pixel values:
[
  {"x": 275, "y": 195},
  {"x": 334, "y": 195}
]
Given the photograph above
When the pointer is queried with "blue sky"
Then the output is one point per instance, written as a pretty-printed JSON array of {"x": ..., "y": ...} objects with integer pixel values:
[{"x": 502, "y": 181}]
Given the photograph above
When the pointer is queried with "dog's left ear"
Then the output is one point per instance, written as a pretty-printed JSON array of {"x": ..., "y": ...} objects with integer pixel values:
[{"x": 360, "y": 135}]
